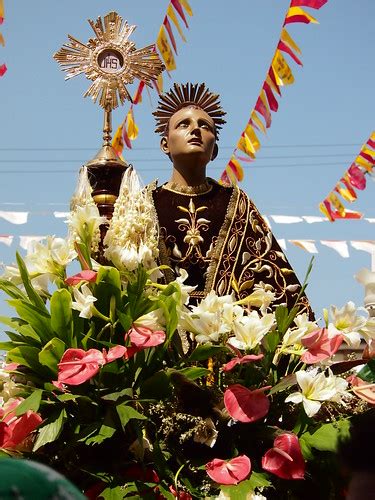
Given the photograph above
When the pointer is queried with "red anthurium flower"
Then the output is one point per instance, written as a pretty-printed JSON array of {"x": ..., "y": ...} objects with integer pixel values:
[
  {"x": 321, "y": 345},
  {"x": 142, "y": 338},
  {"x": 285, "y": 459},
  {"x": 13, "y": 429},
  {"x": 364, "y": 390},
  {"x": 231, "y": 472},
  {"x": 357, "y": 177},
  {"x": 245, "y": 405},
  {"x": 248, "y": 358},
  {"x": 116, "y": 352},
  {"x": 86, "y": 275},
  {"x": 78, "y": 366}
]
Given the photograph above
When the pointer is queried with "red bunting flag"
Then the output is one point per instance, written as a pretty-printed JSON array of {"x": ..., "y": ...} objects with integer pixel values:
[
  {"x": 273, "y": 104},
  {"x": 3, "y": 69},
  {"x": 314, "y": 4},
  {"x": 261, "y": 107},
  {"x": 176, "y": 4},
  {"x": 282, "y": 46},
  {"x": 168, "y": 27},
  {"x": 138, "y": 95},
  {"x": 298, "y": 15}
]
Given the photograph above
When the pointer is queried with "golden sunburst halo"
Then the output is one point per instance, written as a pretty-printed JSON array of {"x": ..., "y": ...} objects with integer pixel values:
[{"x": 109, "y": 60}]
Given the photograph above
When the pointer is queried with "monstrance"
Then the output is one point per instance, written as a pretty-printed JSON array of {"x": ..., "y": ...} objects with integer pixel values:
[{"x": 111, "y": 61}]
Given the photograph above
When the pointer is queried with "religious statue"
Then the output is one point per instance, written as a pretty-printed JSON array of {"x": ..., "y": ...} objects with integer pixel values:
[{"x": 212, "y": 231}]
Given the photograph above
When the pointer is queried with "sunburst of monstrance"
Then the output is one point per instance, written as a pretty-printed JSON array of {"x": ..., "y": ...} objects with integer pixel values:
[{"x": 110, "y": 60}]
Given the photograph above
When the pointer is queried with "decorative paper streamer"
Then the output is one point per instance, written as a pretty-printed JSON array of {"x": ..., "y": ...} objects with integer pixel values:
[
  {"x": 166, "y": 44},
  {"x": 308, "y": 245},
  {"x": 341, "y": 247},
  {"x": 26, "y": 241},
  {"x": 286, "y": 219},
  {"x": 354, "y": 178},
  {"x": 6, "y": 239},
  {"x": 15, "y": 217},
  {"x": 279, "y": 74}
]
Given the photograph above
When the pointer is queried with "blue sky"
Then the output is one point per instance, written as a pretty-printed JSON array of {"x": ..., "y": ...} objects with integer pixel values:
[{"x": 47, "y": 129}]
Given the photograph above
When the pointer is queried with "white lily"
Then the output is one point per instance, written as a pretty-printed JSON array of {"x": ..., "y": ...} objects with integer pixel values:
[
  {"x": 61, "y": 251},
  {"x": 155, "y": 320},
  {"x": 84, "y": 223},
  {"x": 303, "y": 326},
  {"x": 316, "y": 388},
  {"x": 261, "y": 297},
  {"x": 185, "y": 289},
  {"x": 84, "y": 301},
  {"x": 347, "y": 322},
  {"x": 250, "y": 330}
]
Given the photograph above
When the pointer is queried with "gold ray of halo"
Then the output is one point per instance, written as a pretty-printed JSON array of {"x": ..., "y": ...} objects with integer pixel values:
[{"x": 111, "y": 40}]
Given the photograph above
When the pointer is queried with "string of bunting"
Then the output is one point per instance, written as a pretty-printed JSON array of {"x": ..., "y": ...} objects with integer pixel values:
[
  {"x": 354, "y": 178},
  {"x": 3, "y": 67},
  {"x": 167, "y": 47},
  {"x": 308, "y": 245},
  {"x": 279, "y": 74}
]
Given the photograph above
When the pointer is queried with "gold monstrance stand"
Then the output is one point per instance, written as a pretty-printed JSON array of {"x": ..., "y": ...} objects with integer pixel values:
[{"x": 111, "y": 62}]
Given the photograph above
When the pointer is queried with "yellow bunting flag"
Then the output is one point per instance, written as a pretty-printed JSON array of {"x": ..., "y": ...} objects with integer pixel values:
[
  {"x": 2, "y": 40},
  {"x": 2, "y": 10},
  {"x": 160, "y": 83},
  {"x": 283, "y": 73},
  {"x": 171, "y": 13},
  {"x": 363, "y": 163},
  {"x": 288, "y": 40},
  {"x": 165, "y": 49},
  {"x": 117, "y": 141},
  {"x": 325, "y": 208},
  {"x": 348, "y": 195},
  {"x": 257, "y": 122},
  {"x": 131, "y": 127},
  {"x": 234, "y": 170},
  {"x": 251, "y": 139},
  {"x": 186, "y": 6},
  {"x": 244, "y": 145},
  {"x": 336, "y": 203}
]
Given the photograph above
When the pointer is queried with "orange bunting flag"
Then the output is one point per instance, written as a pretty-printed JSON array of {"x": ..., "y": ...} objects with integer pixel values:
[
  {"x": 168, "y": 27},
  {"x": 2, "y": 15},
  {"x": 165, "y": 50},
  {"x": 138, "y": 95},
  {"x": 2, "y": 41},
  {"x": 171, "y": 14},
  {"x": 233, "y": 172},
  {"x": 3, "y": 69},
  {"x": 177, "y": 5},
  {"x": 283, "y": 73},
  {"x": 298, "y": 15},
  {"x": 186, "y": 6},
  {"x": 314, "y": 4}
]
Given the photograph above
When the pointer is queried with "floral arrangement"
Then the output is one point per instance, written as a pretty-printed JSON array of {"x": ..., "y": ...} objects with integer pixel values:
[{"x": 112, "y": 378}]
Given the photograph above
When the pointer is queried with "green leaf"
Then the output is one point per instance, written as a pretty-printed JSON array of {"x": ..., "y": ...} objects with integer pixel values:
[
  {"x": 127, "y": 413},
  {"x": 157, "y": 386},
  {"x": 284, "y": 384},
  {"x": 271, "y": 341},
  {"x": 52, "y": 353},
  {"x": 327, "y": 436},
  {"x": 110, "y": 275},
  {"x": 241, "y": 490},
  {"x": 281, "y": 315},
  {"x": 12, "y": 290},
  {"x": 113, "y": 493},
  {"x": 61, "y": 315},
  {"x": 6, "y": 346},
  {"x": 105, "y": 432},
  {"x": 368, "y": 372},
  {"x": 39, "y": 321},
  {"x": 205, "y": 351},
  {"x": 114, "y": 396},
  {"x": 51, "y": 431},
  {"x": 126, "y": 320},
  {"x": 194, "y": 372},
  {"x": 31, "y": 293},
  {"x": 25, "y": 355},
  {"x": 30, "y": 403}
]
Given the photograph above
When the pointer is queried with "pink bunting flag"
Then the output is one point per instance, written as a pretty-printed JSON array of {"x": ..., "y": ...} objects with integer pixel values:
[{"x": 314, "y": 4}]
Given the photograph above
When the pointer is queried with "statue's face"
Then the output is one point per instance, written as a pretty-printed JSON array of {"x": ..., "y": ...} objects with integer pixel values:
[{"x": 191, "y": 132}]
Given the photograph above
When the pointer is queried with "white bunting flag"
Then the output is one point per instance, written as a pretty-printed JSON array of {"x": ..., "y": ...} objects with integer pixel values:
[
  {"x": 308, "y": 245},
  {"x": 26, "y": 241},
  {"x": 6, "y": 239},
  {"x": 286, "y": 219},
  {"x": 15, "y": 217},
  {"x": 341, "y": 247}
]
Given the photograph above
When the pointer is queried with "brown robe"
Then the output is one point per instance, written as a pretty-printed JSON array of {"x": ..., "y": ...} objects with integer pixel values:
[{"x": 218, "y": 236}]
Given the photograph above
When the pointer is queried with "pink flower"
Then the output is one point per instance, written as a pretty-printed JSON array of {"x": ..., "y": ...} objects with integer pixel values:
[
  {"x": 142, "y": 337},
  {"x": 285, "y": 459},
  {"x": 86, "y": 275},
  {"x": 357, "y": 177},
  {"x": 77, "y": 366},
  {"x": 231, "y": 472},
  {"x": 321, "y": 345},
  {"x": 364, "y": 390},
  {"x": 248, "y": 358},
  {"x": 14, "y": 430},
  {"x": 246, "y": 405}
]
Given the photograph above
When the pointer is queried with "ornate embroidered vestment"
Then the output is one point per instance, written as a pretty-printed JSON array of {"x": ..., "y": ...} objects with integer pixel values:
[{"x": 218, "y": 236}]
